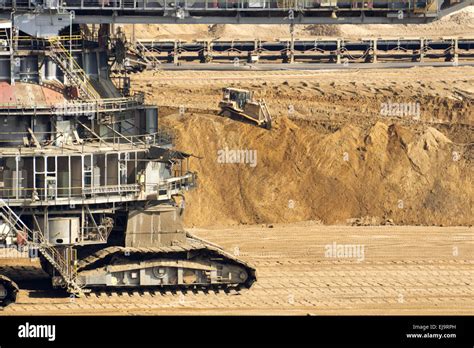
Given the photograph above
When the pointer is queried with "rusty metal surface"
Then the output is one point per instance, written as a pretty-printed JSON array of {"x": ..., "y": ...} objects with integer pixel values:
[{"x": 26, "y": 94}]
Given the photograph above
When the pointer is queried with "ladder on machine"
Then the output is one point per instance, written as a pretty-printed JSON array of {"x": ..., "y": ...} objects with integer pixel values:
[
  {"x": 73, "y": 71},
  {"x": 147, "y": 55},
  {"x": 37, "y": 239},
  {"x": 5, "y": 41}
]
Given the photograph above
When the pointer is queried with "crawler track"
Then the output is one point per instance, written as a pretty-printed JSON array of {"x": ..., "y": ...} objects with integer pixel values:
[
  {"x": 179, "y": 251},
  {"x": 9, "y": 291},
  {"x": 406, "y": 270}
]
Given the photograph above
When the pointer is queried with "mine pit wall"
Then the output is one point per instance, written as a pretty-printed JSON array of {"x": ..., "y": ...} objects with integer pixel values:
[{"x": 405, "y": 172}]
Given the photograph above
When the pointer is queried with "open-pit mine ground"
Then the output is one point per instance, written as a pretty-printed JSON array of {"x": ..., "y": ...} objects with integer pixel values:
[{"x": 394, "y": 270}]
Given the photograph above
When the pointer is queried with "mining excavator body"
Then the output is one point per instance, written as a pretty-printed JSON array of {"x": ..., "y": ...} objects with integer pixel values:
[
  {"x": 240, "y": 104},
  {"x": 89, "y": 180}
]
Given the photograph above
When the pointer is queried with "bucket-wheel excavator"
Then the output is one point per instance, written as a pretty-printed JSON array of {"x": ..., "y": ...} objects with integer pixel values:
[{"x": 89, "y": 180}]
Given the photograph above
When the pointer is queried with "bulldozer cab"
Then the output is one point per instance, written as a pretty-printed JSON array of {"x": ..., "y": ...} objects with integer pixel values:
[
  {"x": 239, "y": 103},
  {"x": 239, "y": 96}
]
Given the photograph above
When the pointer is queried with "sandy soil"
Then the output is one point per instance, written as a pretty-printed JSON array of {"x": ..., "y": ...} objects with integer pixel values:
[
  {"x": 404, "y": 270},
  {"x": 332, "y": 155},
  {"x": 460, "y": 23}
]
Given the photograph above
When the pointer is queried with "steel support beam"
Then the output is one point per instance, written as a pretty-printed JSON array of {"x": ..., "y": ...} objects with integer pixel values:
[{"x": 145, "y": 19}]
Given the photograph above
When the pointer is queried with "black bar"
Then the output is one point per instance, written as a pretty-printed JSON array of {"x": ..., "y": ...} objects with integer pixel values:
[{"x": 261, "y": 331}]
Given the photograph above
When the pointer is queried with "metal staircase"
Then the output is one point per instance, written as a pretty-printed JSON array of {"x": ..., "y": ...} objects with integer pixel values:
[
  {"x": 37, "y": 239},
  {"x": 5, "y": 41},
  {"x": 72, "y": 70},
  {"x": 146, "y": 55}
]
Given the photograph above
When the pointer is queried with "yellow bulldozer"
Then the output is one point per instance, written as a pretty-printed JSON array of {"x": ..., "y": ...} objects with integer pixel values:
[{"x": 239, "y": 104}]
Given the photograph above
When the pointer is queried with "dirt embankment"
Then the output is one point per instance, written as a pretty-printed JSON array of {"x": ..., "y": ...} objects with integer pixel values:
[
  {"x": 388, "y": 171},
  {"x": 333, "y": 157}
]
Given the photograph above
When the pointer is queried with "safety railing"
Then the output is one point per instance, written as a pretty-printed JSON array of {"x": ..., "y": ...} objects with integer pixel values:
[
  {"x": 36, "y": 238},
  {"x": 117, "y": 141},
  {"x": 75, "y": 42},
  {"x": 75, "y": 194},
  {"x": 141, "y": 141},
  {"x": 112, "y": 189},
  {"x": 70, "y": 195},
  {"x": 172, "y": 186},
  {"x": 226, "y": 5},
  {"x": 75, "y": 107}
]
